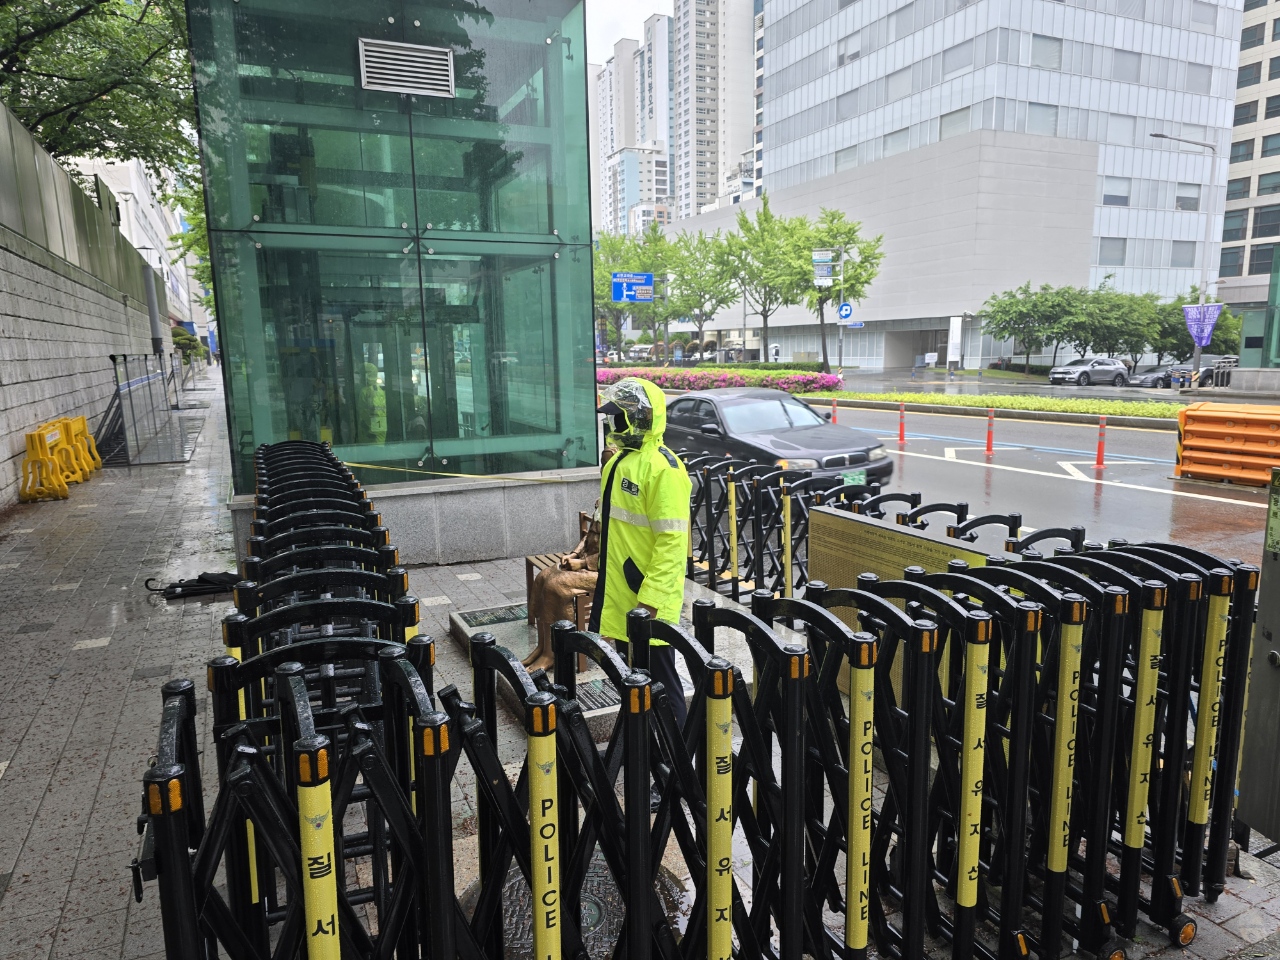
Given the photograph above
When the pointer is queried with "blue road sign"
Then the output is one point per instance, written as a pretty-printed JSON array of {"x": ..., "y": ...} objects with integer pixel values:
[
  {"x": 633, "y": 288},
  {"x": 856, "y": 325},
  {"x": 846, "y": 311}
]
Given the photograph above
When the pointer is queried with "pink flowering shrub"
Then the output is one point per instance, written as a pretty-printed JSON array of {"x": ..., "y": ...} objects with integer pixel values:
[{"x": 678, "y": 378}]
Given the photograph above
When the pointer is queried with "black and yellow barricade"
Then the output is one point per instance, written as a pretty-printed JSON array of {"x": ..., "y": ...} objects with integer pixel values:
[
  {"x": 746, "y": 509},
  {"x": 534, "y": 842},
  {"x": 395, "y": 622},
  {"x": 845, "y": 495},
  {"x": 252, "y": 598},
  {"x": 967, "y": 530},
  {"x": 328, "y": 485},
  {"x": 320, "y": 556},
  {"x": 903, "y": 727},
  {"x": 768, "y": 554},
  {"x": 1074, "y": 536},
  {"x": 773, "y": 822},
  {"x": 710, "y": 514},
  {"x": 337, "y": 534},
  {"x": 795, "y": 526},
  {"x": 1129, "y": 769},
  {"x": 1093, "y": 626},
  {"x": 1170, "y": 713},
  {"x": 359, "y": 520},
  {"x": 915, "y": 517},
  {"x": 273, "y": 514}
]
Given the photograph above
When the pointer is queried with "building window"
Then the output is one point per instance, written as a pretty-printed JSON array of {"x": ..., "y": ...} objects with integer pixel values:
[
  {"x": 897, "y": 142},
  {"x": 1249, "y": 75},
  {"x": 1241, "y": 151},
  {"x": 1126, "y": 66},
  {"x": 1248, "y": 112},
  {"x": 897, "y": 85},
  {"x": 1238, "y": 189},
  {"x": 1187, "y": 197},
  {"x": 1268, "y": 183},
  {"x": 1120, "y": 129},
  {"x": 1266, "y": 221},
  {"x": 1046, "y": 52},
  {"x": 1235, "y": 225},
  {"x": 1115, "y": 191},
  {"x": 1231, "y": 262},
  {"x": 960, "y": 57},
  {"x": 1260, "y": 258},
  {"x": 1042, "y": 118},
  {"x": 954, "y": 123},
  {"x": 1204, "y": 14},
  {"x": 1199, "y": 78},
  {"x": 1111, "y": 251},
  {"x": 1254, "y": 36},
  {"x": 1254, "y": 4},
  {"x": 1275, "y": 29},
  {"x": 1271, "y": 145},
  {"x": 1183, "y": 254}
]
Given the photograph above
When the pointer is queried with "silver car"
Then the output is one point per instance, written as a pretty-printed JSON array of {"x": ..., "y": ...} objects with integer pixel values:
[{"x": 1089, "y": 370}]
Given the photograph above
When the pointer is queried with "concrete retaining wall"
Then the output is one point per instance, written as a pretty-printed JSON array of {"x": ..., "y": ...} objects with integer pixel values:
[
  {"x": 58, "y": 325},
  {"x": 465, "y": 521}
]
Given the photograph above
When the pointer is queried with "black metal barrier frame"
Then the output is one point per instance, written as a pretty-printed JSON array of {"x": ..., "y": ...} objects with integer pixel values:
[{"x": 1055, "y": 734}]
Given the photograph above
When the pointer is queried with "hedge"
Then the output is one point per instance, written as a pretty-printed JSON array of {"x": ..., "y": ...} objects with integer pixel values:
[
  {"x": 1111, "y": 408},
  {"x": 698, "y": 378}
]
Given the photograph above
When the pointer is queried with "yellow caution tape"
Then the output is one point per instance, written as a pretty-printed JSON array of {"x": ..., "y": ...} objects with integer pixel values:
[{"x": 464, "y": 476}]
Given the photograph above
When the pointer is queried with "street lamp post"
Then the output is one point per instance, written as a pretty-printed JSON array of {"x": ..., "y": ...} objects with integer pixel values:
[{"x": 1208, "y": 236}]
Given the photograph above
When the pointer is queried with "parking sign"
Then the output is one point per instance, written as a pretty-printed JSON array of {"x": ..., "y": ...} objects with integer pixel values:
[{"x": 846, "y": 311}]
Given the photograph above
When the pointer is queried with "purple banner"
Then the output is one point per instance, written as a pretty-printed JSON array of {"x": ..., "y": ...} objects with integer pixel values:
[{"x": 1200, "y": 321}]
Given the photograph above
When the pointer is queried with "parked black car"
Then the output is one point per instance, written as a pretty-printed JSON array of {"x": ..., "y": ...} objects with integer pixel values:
[
  {"x": 771, "y": 426},
  {"x": 1089, "y": 370},
  {"x": 1156, "y": 375}
]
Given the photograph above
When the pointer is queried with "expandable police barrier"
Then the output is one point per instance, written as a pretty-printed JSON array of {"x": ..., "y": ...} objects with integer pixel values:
[{"x": 1030, "y": 754}]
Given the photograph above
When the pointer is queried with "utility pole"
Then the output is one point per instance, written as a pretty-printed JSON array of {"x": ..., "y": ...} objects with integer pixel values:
[{"x": 1208, "y": 235}]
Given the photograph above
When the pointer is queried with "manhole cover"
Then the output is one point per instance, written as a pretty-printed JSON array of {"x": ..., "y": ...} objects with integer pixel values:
[{"x": 601, "y": 909}]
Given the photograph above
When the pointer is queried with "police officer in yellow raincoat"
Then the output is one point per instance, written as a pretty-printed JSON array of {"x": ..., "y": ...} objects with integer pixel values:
[{"x": 644, "y": 534}]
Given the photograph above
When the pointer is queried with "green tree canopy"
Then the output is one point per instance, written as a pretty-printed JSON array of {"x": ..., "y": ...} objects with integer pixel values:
[
  {"x": 862, "y": 255},
  {"x": 756, "y": 258},
  {"x": 101, "y": 78},
  {"x": 1020, "y": 315},
  {"x": 1171, "y": 339},
  {"x": 702, "y": 285}
]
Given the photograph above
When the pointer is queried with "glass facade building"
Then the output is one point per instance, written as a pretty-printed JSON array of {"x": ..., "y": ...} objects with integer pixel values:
[
  {"x": 399, "y": 225},
  {"x": 850, "y": 82}
]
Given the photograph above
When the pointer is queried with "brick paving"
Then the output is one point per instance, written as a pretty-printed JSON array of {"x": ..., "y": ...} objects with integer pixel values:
[{"x": 84, "y": 650}]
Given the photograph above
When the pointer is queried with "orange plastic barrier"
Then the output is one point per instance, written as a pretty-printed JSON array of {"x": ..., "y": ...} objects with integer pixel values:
[{"x": 1235, "y": 442}]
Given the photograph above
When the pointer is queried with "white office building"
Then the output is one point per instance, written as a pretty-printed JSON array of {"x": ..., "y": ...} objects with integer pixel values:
[
  {"x": 992, "y": 142},
  {"x": 613, "y": 96},
  {"x": 633, "y": 177},
  {"x": 1252, "y": 223},
  {"x": 713, "y": 107},
  {"x": 655, "y": 81}
]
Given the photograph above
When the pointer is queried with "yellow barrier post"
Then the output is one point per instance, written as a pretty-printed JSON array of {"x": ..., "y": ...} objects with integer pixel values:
[
  {"x": 1208, "y": 717},
  {"x": 857, "y": 906},
  {"x": 1142, "y": 740},
  {"x": 1065, "y": 719},
  {"x": 719, "y": 773},
  {"x": 315, "y": 830},
  {"x": 41, "y": 475},
  {"x": 786, "y": 541},
  {"x": 544, "y": 824},
  {"x": 977, "y": 687}
]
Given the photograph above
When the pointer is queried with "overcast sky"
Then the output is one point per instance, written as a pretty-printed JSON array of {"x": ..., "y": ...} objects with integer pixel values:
[{"x": 608, "y": 21}]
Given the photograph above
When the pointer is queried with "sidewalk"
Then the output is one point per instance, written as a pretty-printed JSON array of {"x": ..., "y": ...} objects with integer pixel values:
[{"x": 84, "y": 650}]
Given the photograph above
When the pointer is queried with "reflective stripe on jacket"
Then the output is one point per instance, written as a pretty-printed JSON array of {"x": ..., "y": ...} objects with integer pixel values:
[{"x": 647, "y": 528}]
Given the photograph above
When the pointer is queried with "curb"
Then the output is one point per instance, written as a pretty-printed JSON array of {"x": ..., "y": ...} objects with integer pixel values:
[{"x": 1044, "y": 416}]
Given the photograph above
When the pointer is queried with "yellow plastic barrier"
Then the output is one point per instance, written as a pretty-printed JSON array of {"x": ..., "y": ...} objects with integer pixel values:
[
  {"x": 42, "y": 477},
  {"x": 83, "y": 442},
  {"x": 1228, "y": 441}
]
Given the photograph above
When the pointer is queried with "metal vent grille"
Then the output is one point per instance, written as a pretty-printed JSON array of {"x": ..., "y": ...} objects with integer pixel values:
[{"x": 406, "y": 68}]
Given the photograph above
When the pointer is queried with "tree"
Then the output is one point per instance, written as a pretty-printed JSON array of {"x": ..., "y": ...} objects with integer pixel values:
[
  {"x": 702, "y": 286},
  {"x": 1171, "y": 339},
  {"x": 1019, "y": 315},
  {"x": 652, "y": 252},
  {"x": 611, "y": 252},
  {"x": 100, "y": 78},
  {"x": 1119, "y": 322},
  {"x": 833, "y": 231},
  {"x": 756, "y": 258}
]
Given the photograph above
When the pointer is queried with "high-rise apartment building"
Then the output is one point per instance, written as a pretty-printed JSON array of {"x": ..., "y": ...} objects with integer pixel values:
[
  {"x": 714, "y": 113},
  {"x": 633, "y": 176},
  {"x": 655, "y": 81},
  {"x": 757, "y": 131},
  {"x": 1251, "y": 226},
  {"x": 614, "y": 94}
]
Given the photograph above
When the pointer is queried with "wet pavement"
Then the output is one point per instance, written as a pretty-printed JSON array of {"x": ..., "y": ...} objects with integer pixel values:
[{"x": 84, "y": 649}]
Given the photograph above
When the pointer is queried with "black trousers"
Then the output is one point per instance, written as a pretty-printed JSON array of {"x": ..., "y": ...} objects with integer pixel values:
[{"x": 662, "y": 668}]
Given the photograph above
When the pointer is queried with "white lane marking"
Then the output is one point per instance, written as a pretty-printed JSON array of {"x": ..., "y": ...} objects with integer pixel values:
[
  {"x": 3, "y": 767},
  {"x": 1071, "y": 468},
  {"x": 65, "y": 586},
  {"x": 90, "y": 644},
  {"x": 1083, "y": 479}
]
